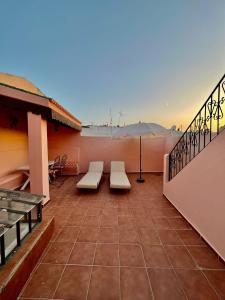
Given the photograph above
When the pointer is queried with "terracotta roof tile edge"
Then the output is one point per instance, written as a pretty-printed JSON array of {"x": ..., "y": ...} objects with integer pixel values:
[
  {"x": 25, "y": 91},
  {"x": 45, "y": 97},
  {"x": 63, "y": 109}
]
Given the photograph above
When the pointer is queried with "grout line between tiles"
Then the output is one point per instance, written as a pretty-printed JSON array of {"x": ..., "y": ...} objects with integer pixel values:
[
  {"x": 120, "y": 291},
  {"x": 60, "y": 278},
  {"x": 173, "y": 269},
  {"x": 92, "y": 266},
  {"x": 146, "y": 269},
  {"x": 200, "y": 269}
]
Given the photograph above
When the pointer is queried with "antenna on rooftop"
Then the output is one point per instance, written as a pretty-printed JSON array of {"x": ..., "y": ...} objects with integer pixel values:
[
  {"x": 110, "y": 117},
  {"x": 110, "y": 120},
  {"x": 120, "y": 116}
]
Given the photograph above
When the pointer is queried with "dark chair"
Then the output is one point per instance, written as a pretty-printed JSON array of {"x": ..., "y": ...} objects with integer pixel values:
[
  {"x": 63, "y": 162},
  {"x": 55, "y": 167}
]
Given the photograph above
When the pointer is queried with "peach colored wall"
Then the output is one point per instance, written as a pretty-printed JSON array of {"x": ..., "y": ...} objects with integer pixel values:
[
  {"x": 65, "y": 140},
  {"x": 13, "y": 147},
  {"x": 85, "y": 149},
  {"x": 198, "y": 192},
  {"x": 127, "y": 150}
]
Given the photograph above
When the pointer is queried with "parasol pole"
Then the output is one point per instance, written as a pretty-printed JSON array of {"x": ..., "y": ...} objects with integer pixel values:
[{"x": 140, "y": 179}]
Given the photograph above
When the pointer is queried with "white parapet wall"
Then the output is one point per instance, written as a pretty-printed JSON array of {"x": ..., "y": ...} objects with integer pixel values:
[{"x": 198, "y": 192}]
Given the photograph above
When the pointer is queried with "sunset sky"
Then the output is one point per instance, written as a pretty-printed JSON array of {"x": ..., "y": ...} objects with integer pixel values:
[{"x": 155, "y": 61}]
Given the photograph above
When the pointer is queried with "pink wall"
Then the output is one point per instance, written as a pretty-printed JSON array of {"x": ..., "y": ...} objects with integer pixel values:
[
  {"x": 13, "y": 147},
  {"x": 85, "y": 149},
  {"x": 127, "y": 150},
  {"x": 198, "y": 192}
]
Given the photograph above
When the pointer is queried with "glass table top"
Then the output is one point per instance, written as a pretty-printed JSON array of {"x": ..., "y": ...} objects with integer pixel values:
[
  {"x": 16, "y": 206},
  {"x": 8, "y": 218},
  {"x": 3, "y": 230},
  {"x": 21, "y": 196}
]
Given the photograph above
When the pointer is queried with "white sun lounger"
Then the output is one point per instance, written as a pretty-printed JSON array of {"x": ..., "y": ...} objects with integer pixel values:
[
  {"x": 93, "y": 177},
  {"x": 118, "y": 176}
]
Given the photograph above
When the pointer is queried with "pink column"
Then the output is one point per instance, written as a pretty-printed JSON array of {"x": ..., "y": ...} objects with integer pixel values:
[{"x": 38, "y": 155}]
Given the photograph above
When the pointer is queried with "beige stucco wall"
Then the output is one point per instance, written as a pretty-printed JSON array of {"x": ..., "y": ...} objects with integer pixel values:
[{"x": 198, "y": 192}]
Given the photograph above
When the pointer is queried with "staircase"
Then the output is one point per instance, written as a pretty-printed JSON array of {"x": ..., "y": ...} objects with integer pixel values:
[{"x": 207, "y": 124}]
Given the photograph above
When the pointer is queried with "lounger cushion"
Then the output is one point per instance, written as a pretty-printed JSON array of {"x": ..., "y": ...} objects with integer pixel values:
[
  {"x": 90, "y": 181},
  {"x": 96, "y": 166},
  {"x": 117, "y": 166},
  {"x": 119, "y": 180}
]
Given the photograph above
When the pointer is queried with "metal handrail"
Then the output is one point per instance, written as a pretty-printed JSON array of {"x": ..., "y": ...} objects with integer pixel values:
[{"x": 204, "y": 127}]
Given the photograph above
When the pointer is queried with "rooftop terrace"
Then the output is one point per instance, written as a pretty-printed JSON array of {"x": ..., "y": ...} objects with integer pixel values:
[{"x": 134, "y": 245}]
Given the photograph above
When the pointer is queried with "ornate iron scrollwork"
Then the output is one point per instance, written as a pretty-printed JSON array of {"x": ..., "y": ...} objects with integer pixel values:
[
  {"x": 218, "y": 114},
  {"x": 185, "y": 150}
]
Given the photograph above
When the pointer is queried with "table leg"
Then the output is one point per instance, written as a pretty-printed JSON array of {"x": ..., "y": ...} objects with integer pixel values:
[
  {"x": 2, "y": 244},
  {"x": 29, "y": 221},
  {"x": 18, "y": 233}
]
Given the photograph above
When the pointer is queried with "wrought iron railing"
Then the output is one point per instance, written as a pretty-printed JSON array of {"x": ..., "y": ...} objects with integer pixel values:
[{"x": 208, "y": 123}]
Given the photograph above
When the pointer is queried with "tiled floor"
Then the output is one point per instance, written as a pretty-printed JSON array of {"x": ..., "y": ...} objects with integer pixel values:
[{"x": 122, "y": 245}]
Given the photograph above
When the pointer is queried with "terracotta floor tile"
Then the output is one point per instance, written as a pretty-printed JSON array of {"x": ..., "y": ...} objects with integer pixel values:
[
  {"x": 107, "y": 255},
  {"x": 68, "y": 234},
  {"x": 125, "y": 204},
  {"x": 122, "y": 211},
  {"x": 155, "y": 256},
  {"x": 22, "y": 298},
  {"x": 169, "y": 237},
  {"x": 196, "y": 285},
  {"x": 141, "y": 212},
  {"x": 179, "y": 257},
  {"x": 179, "y": 223},
  {"x": 109, "y": 212},
  {"x": 107, "y": 235},
  {"x": 82, "y": 254},
  {"x": 171, "y": 212},
  {"x": 44, "y": 281},
  {"x": 58, "y": 253},
  {"x": 92, "y": 221},
  {"x": 161, "y": 223},
  {"x": 191, "y": 238},
  {"x": 88, "y": 234},
  {"x": 206, "y": 258},
  {"x": 131, "y": 255},
  {"x": 74, "y": 283},
  {"x": 81, "y": 210},
  {"x": 155, "y": 212},
  {"x": 165, "y": 284},
  {"x": 127, "y": 227},
  {"x": 128, "y": 236},
  {"x": 112, "y": 202},
  {"x": 75, "y": 220},
  {"x": 144, "y": 222},
  {"x": 108, "y": 221},
  {"x": 217, "y": 280},
  {"x": 125, "y": 220},
  {"x": 149, "y": 236},
  {"x": 92, "y": 211},
  {"x": 59, "y": 221},
  {"x": 56, "y": 232},
  {"x": 104, "y": 284},
  {"x": 134, "y": 284}
]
